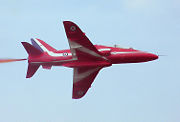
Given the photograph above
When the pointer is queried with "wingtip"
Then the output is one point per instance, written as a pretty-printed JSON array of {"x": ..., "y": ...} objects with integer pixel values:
[
  {"x": 68, "y": 23},
  {"x": 24, "y": 43},
  {"x": 77, "y": 97},
  {"x": 78, "y": 94},
  {"x": 28, "y": 77}
]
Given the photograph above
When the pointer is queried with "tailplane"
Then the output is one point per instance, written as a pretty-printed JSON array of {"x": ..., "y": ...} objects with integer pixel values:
[
  {"x": 31, "y": 50},
  {"x": 32, "y": 68}
]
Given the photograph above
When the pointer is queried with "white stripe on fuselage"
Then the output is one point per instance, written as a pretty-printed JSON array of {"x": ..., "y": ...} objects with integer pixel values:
[
  {"x": 74, "y": 46},
  {"x": 50, "y": 52},
  {"x": 114, "y": 53},
  {"x": 104, "y": 49}
]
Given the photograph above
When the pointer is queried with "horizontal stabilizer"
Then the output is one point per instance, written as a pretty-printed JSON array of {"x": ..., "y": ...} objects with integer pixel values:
[
  {"x": 31, "y": 50},
  {"x": 32, "y": 68}
]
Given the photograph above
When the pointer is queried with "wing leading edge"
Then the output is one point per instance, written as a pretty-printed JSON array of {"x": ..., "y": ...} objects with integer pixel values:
[{"x": 80, "y": 46}]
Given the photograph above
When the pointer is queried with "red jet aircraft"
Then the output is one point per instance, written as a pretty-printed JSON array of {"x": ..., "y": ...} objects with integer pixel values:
[{"x": 85, "y": 58}]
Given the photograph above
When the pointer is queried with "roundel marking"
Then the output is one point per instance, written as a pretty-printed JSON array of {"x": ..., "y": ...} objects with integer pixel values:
[
  {"x": 72, "y": 28},
  {"x": 65, "y": 54}
]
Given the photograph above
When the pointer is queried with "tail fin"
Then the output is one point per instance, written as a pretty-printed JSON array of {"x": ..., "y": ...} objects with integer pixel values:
[
  {"x": 31, "y": 50},
  {"x": 41, "y": 45},
  {"x": 37, "y": 48},
  {"x": 32, "y": 68}
]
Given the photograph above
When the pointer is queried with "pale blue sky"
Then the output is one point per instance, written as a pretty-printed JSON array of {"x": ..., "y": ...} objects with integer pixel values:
[{"x": 147, "y": 92}]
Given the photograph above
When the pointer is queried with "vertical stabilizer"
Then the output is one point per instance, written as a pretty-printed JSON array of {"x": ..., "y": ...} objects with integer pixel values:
[{"x": 41, "y": 45}]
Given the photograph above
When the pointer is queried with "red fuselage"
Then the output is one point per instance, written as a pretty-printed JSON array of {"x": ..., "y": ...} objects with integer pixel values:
[{"x": 114, "y": 55}]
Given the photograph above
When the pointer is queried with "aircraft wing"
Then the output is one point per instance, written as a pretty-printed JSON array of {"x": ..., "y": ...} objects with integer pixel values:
[
  {"x": 80, "y": 46},
  {"x": 82, "y": 80}
]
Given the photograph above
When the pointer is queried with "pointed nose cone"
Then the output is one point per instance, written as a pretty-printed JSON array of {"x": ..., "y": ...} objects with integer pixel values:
[{"x": 153, "y": 56}]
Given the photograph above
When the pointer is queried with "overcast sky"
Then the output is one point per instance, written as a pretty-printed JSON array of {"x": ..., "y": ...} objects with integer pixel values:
[{"x": 145, "y": 92}]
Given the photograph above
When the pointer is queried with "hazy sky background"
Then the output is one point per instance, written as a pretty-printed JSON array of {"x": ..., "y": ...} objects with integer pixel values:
[{"x": 146, "y": 92}]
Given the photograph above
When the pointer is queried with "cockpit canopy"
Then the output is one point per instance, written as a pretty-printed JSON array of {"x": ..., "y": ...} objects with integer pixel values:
[{"x": 118, "y": 46}]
